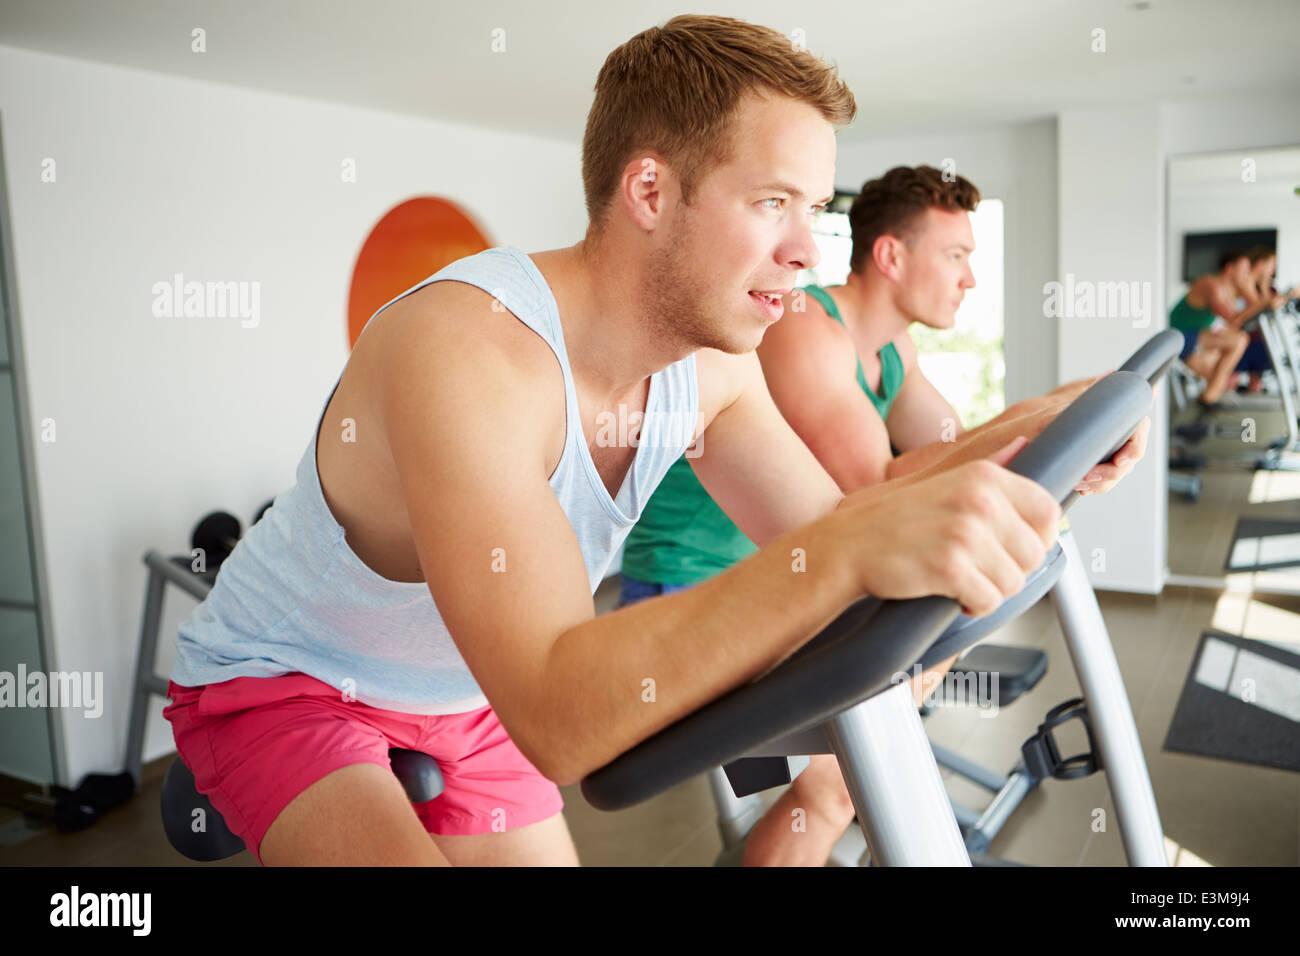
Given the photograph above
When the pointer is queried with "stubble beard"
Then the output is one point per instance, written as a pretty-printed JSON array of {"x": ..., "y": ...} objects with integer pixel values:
[{"x": 679, "y": 301}]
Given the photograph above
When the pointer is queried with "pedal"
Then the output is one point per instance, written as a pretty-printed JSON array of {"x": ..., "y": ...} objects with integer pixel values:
[{"x": 1042, "y": 755}]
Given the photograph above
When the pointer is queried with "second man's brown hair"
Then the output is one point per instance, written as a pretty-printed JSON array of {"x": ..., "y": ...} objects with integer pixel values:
[{"x": 893, "y": 204}]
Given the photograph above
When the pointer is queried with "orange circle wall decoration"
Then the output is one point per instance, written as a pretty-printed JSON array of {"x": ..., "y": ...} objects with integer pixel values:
[{"x": 411, "y": 242}]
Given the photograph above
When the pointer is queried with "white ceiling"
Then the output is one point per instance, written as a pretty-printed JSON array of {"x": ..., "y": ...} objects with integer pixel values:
[{"x": 913, "y": 66}]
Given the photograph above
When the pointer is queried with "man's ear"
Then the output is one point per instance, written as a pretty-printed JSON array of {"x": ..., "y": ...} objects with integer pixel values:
[
  {"x": 644, "y": 188},
  {"x": 886, "y": 256}
]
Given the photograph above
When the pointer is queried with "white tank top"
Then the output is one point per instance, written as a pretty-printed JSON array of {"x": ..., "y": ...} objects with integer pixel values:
[{"x": 293, "y": 597}]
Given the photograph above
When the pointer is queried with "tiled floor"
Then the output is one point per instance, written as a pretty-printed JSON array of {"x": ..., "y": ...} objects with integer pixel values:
[{"x": 1214, "y": 812}]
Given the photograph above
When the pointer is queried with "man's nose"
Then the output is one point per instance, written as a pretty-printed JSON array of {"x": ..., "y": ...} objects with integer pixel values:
[{"x": 803, "y": 252}]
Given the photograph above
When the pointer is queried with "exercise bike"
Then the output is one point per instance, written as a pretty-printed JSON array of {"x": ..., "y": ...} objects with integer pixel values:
[
  {"x": 840, "y": 694},
  {"x": 835, "y": 694}
]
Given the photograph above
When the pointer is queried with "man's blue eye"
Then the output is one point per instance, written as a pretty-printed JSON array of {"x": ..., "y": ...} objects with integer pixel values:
[{"x": 773, "y": 199}]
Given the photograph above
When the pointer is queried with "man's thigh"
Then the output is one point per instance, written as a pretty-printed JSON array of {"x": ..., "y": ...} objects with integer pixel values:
[
  {"x": 1203, "y": 361},
  {"x": 544, "y": 843},
  {"x": 1222, "y": 340},
  {"x": 358, "y": 815}
]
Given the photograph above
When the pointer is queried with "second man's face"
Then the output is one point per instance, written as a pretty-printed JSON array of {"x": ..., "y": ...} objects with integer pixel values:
[{"x": 936, "y": 272}]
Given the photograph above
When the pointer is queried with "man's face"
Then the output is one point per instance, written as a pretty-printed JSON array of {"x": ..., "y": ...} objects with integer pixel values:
[
  {"x": 748, "y": 228},
  {"x": 933, "y": 268},
  {"x": 1239, "y": 273},
  {"x": 1263, "y": 271}
]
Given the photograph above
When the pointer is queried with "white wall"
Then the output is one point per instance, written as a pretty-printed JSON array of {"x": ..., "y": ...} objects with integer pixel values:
[
  {"x": 160, "y": 420},
  {"x": 1111, "y": 209},
  {"x": 1014, "y": 163}
]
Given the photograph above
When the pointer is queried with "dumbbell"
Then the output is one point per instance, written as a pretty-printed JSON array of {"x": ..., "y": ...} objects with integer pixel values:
[{"x": 217, "y": 534}]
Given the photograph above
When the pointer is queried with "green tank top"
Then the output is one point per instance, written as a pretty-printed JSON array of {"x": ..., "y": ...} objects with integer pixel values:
[
  {"x": 891, "y": 365},
  {"x": 683, "y": 537},
  {"x": 1186, "y": 318}
]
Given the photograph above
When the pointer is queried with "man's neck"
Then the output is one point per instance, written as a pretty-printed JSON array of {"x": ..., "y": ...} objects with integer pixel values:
[
  {"x": 869, "y": 312},
  {"x": 606, "y": 331}
]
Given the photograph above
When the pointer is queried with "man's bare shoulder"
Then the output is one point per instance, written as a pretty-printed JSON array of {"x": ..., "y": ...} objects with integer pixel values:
[
  {"x": 806, "y": 337},
  {"x": 452, "y": 345},
  {"x": 450, "y": 322}
]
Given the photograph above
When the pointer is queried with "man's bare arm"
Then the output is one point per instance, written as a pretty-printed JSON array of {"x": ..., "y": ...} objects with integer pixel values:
[
  {"x": 920, "y": 417},
  {"x": 808, "y": 362},
  {"x": 987, "y": 439},
  {"x": 465, "y": 416},
  {"x": 754, "y": 465}
]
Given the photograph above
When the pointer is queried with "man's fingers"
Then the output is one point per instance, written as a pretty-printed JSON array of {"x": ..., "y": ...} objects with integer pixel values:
[
  {"x": 1013, "y": 539},
  {"x": 1006, "y": 573},
  {"x": 1025, "y": 545},
  {"x": 1142, "y": 436},
  {"x": 1035, "y": 506},
  {"x": 977, "y": 595},
  {"x": 1007, "y": 452},
  {"x": 1104, "y": 476},
  {"x": 1136, "y": 446},
  {"x": 1128, "y": 452}
]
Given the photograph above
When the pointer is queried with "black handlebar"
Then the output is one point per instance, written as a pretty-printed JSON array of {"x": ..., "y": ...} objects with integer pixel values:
[
  {"x": 1151, "y": 360},
  {"x": 858, "y": 654}
]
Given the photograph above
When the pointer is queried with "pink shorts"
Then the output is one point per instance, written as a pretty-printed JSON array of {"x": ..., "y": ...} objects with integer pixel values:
[{"x": 255, "y": 743}]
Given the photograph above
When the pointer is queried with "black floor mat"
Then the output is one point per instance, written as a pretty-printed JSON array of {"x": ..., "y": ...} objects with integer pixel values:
[
  {"x": 1241, "y": 702},
  {"x": 1264, "y": 544}
]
